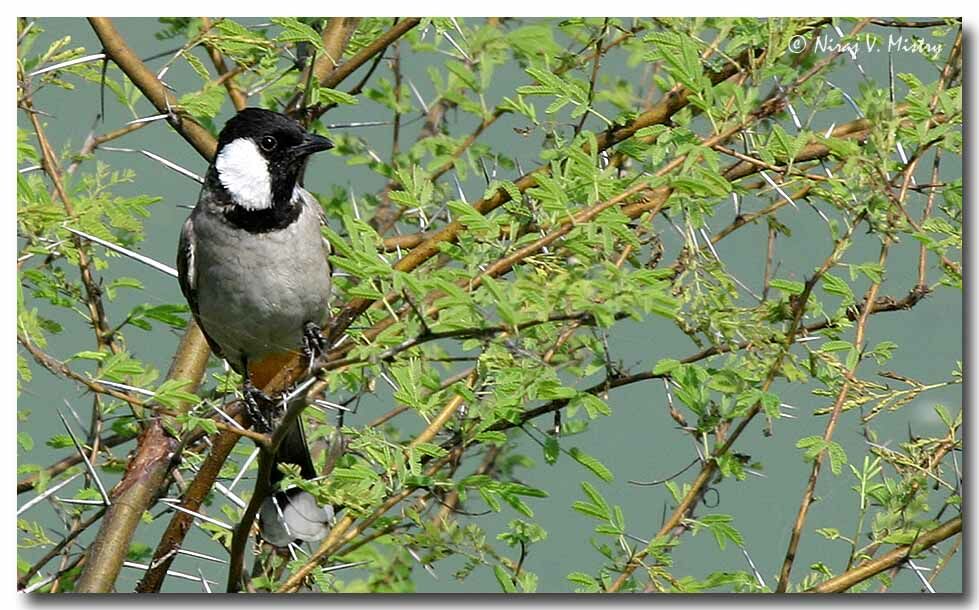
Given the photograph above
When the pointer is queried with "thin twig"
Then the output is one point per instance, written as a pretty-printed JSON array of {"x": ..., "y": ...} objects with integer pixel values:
[{"x": 894, "y": 558}]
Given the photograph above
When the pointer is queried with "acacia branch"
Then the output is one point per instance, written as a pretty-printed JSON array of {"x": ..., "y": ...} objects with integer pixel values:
[
  {"x": 192, "y": 500},
  {"x": 149, "y": 469},
  {"x": 238, "y": 98},
  {"x": 382, "y": 42},
  {"x": 144, "y": 480},
  {"x": 30, "y": 482},
  {"x": 880, "y": 305},
  {"x": 118, "y": 50},
  {"x": 94, "y": 141},
  {"x": 660, "y": 113},
  {"x": 385, "y": 218},
  {"x": 894, "y": 558},
  {"x": 808, "y": 495},
  {"x": 649, "y": 200},
  {"x": 710, "y": 464},
  {"x": 858, "y": 341},
  {"x": 337, "y": 73},
  {"x": 339, "y": 534},
  {"x": 96, "y": 309},
  {"x": 24, "y": 579},
  {"x": 336, "y": 34}
]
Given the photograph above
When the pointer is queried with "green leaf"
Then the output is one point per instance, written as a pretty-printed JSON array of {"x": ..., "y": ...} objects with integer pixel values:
[
  {"x": 169, "y": 314},
  {"x": 534, "y": 41},
  {"x": 665, "y": 365},
  {"x": 328, "y": 95},
  {"x": 206, "y": 424},
  {"x": 789, "y": 286},
  {"x": 589, "y": 510},
  {"x": 294, "y": 30},
  {"x": 829, "y": 533},
  {"x": 771, "y": 404},
  {"x": 59, "y": 441},
  {"x": 552, "y": 449},
  {"x": 720, "y": 526},
  {"x": 503, "y": 305},
  {"x": 594, "y": 405},
  {"x": 470, "y": 218},
  {"x": 118, "y": 367},
  {"x": 836, "y": 346},
  {"x": 205, "y": 103},
  {"x": 502, "y": 577},
  {"x": 813, "y": 446},
  {"x": 595, "y": 497},
  {"x": 491, "y": 437},
  {"x": 592, "y": 464},
  {"x": 835, "y": 285},
  {"x": 171, "y": 393},
  {"x": 198, "y": 66},
  {"x": 489, "y": 498},
  {"x": 651, "y": 132},
  {"x": 589, "y": 584},
  {"x": 725, "y": 382},
  {"x": 837, "y": 457},
  {"x": 524, "y": 490},
  {"x": 25, "y": 441},
  {"x": 944, "y": 415},
  {"x": 873, "y": 271},
  {"x": 430, "y": 449}
]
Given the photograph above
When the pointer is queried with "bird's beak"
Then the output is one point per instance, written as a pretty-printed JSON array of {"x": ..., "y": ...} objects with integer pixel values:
[{"x": 314, "y": 143}]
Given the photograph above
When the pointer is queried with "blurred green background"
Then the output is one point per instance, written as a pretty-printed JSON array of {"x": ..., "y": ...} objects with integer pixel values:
[{"x": 638, "y": 442}]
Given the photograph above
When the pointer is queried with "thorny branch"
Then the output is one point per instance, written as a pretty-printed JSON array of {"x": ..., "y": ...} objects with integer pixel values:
[
  {"x": 807, "y": 498},
  {"x": 895, "y": 557},
  {"x": 330, "y": 71}
]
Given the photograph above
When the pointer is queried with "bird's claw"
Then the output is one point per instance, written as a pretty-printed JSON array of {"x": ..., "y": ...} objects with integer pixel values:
[
  {"x": 314, "y": 344},
  {"x": 258, "y": 405}
]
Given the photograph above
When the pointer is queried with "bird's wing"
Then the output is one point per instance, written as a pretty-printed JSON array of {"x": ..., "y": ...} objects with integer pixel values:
[
  {"x": 187, "y": 277},
  {"x": 315, "y": 206},
  {"x": 186, "y": 267}
]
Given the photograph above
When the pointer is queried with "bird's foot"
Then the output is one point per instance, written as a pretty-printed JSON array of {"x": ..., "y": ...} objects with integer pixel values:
[
  {"x": 314, "y": 343},
  {"x": 258, "y": 407}
]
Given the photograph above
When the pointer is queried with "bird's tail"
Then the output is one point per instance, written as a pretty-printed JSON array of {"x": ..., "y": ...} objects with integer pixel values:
[{"x": 293, "y": 515}]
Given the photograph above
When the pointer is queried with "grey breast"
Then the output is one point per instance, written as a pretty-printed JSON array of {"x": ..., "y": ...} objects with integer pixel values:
[{"x": 255, "y": 291}]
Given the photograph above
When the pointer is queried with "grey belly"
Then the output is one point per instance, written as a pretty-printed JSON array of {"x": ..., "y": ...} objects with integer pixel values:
[{"x": 255, "y": 298}]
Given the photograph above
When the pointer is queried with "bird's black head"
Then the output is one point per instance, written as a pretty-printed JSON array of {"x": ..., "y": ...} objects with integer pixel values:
[{"x": 260, "y": 157}]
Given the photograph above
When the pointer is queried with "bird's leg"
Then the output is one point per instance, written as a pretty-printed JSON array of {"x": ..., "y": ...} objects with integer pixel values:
[
  {"x": 314, "y": 344},
  {"x": 257, "y": 405}
]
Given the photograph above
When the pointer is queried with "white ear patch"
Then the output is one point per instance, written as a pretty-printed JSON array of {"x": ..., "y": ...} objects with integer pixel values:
[{"x": 244, "y": 172}]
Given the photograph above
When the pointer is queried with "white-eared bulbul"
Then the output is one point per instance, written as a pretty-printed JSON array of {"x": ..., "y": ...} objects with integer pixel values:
[{"x": 253, "y": 266}]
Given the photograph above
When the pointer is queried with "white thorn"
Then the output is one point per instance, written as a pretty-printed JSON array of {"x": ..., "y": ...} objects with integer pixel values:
[
  {"x": 200, "y": 516},
  {"x": 70, "y": 62},
  {"x": 45, "y": 494},
  {"x": 126, "y": 252},
  {"x": 88, "y": 464}
]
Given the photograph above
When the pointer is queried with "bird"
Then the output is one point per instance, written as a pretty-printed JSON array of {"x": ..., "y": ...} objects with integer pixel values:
[{"x": 254, "y": 268}]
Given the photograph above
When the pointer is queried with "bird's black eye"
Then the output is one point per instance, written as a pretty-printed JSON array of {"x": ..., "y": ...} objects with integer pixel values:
[{"x": 267, "y": 143}]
